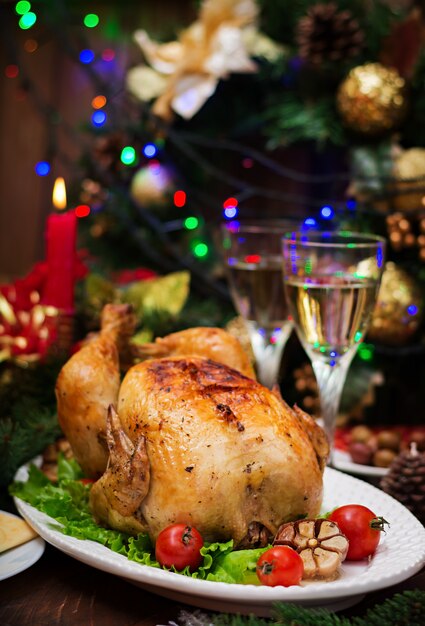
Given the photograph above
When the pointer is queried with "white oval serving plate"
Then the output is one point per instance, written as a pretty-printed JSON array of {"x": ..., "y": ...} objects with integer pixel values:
[{"x": 400, "y": 554}]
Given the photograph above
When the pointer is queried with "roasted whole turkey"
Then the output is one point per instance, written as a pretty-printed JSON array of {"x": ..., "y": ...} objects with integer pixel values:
[
  {"x": 193, "y": 440},
  {"x": 89, "y": 382}
]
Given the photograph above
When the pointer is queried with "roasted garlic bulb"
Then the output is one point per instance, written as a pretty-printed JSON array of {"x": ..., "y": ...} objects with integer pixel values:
[{"x": 320, "y": 544}]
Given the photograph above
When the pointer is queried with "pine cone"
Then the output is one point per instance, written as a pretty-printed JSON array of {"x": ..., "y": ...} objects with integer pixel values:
[
  {"x": 327, "y": 34},
  {"x": 405, "y": 481}
]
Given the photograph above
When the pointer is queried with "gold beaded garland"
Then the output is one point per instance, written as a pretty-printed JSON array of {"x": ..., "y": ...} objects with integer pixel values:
[
  {"x": 398, "y": 310},
  {"x": 409, "y": 240},
  {"x": 371, "y": 100},
  {"x": 400, "y": 231},
  {"x": 406, "y": 232}
]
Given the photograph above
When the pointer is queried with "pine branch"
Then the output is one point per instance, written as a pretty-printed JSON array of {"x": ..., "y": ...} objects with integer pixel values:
[
  {"x": 271, "y": 164},
  {"x": 293, "y": 615},
  {"x": 23, "y": 435},
  {"x": 184, "y": 143},
  {"x": 403, "y": 609},
  {"x": 291, "y": 121},
  {"x": 28, "y": 421}
]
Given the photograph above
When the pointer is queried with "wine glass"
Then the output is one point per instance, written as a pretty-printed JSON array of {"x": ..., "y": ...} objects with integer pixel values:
[
  {"x": 253, "y": 258},
  {"x": 331, "y": 283}
]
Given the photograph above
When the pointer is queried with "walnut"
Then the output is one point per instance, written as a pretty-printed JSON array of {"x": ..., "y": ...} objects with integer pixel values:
[{"x": 320, "y": 544}]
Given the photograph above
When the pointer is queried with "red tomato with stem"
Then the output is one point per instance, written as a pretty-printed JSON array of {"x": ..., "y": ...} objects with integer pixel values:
[
  {"x": 280, "y": 565},
  {"x": 361, "y": 527},
  {"x": 179, "y": 546}
]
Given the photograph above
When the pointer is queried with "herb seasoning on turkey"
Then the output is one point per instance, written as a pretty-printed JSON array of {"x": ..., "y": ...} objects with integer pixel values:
[{"x": 215, "y": 420}]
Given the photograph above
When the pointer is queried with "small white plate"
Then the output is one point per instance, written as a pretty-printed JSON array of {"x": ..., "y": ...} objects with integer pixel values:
[
  {"x": 400, "y": 554},
  {"x": 342, "y": 461},
  {"x": 20, "y": 558}
]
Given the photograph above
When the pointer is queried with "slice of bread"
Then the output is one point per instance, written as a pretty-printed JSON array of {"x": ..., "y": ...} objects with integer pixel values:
[{"x": 14, "y": 531}]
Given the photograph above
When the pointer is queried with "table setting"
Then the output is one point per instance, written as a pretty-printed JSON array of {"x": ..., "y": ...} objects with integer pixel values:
[
  {"x": 325, "y": 339},
  {"x": 212, "y": 313}
]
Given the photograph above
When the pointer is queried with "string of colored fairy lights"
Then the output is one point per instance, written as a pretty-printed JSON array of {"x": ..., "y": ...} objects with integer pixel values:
[{"x": 105, "y": 111}]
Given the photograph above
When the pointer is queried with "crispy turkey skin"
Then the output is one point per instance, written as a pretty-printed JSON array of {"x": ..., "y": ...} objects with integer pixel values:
[
  {"x": 89, "y": 382},
  {"x": 195, "y": 441},
  {"x": 212, "y": 343}
]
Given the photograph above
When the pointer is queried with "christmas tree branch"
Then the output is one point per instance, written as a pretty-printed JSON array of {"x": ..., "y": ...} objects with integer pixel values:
[
  {"x": 260, "y": 157},
  {"x": 170, "y": 259},
  {"x": 403, "y": 608}
]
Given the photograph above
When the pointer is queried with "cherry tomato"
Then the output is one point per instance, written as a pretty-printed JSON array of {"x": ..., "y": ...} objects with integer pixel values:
[
  {"x": 361, "y": 527},
  {"x": 179, "y": 545},
  {"x": 280, "y": 565},
  {"x": 86, "y": 481}
]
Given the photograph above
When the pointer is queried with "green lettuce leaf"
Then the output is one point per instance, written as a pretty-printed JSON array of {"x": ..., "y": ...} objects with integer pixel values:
[
  {"x": 238, "y": 566},
  {"x": 67, "y": 502},
  {"x": 68, "y": 469}
]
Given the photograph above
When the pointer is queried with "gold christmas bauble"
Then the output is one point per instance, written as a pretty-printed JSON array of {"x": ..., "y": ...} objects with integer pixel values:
[
  {"x": 152, "y": 185},
  {"x": 399, "y": 308},
  {"x": 409, "y": 185},
  {"x": 371, "y": 100}
]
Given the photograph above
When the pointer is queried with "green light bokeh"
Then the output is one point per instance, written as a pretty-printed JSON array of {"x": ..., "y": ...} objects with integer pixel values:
[
  {"x": 191, "y": 223},
  {"x": 27, "y": 20},
  {"x": 366, "y": 352},
  {"x": 128, "y": 155},
  {"x": 22, "y": 7},
  {"x": 91, "y": 20},
  {"x": 200, "y": 250}
]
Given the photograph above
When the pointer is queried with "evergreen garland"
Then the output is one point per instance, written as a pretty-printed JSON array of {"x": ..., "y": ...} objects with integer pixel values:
[
  {"x": 291, "y": 121},
  {"x": 28, "y": 421},
  {"x": 300, "y": 102},
  {"x": 402, "y": 609}
]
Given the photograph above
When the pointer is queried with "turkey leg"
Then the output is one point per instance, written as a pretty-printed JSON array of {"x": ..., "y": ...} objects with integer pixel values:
[{"x": 125, "y": 483}]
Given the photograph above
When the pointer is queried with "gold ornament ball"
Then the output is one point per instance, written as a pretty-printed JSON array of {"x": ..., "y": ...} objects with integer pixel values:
[
  {"x": 152, "y": 185},
  {"x": 408, "y": 189},
  {"x": 399, "y": 309},
  {"x": 371, "y": 100}
]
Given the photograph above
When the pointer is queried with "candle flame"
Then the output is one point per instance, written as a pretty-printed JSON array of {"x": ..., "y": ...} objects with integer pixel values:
[{"x": 59, "y": 194}]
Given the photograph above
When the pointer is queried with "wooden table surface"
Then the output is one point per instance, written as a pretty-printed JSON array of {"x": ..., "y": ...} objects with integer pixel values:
[{"x": 60, "y": 591}]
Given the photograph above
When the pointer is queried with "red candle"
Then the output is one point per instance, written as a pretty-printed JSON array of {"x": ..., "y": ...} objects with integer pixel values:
[{"x": 61, "y": 234}]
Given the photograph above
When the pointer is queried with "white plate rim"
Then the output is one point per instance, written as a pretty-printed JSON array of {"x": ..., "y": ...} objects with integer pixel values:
[
  {"x": 343, "y": 462},
  {"x": 364, "y": 581},
  {"x": 17, "y": 559}
]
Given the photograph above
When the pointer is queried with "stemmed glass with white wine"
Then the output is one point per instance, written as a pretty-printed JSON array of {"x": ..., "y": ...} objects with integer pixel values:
[
  {"x": 253, "y": 256},
  {"x": 331, "y": 284}
]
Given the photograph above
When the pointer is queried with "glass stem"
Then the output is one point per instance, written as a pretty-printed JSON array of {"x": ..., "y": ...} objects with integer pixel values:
[
  {"x": 268, "y": 348},
  {"x": 330, "y": 380}
]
